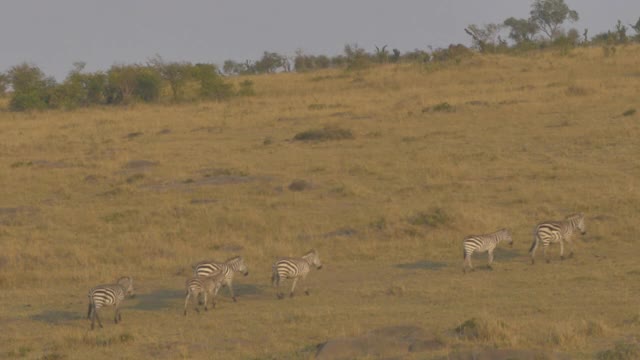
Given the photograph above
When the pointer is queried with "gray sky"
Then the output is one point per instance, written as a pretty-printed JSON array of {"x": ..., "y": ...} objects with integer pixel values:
[{"x": 52, "y": 34}]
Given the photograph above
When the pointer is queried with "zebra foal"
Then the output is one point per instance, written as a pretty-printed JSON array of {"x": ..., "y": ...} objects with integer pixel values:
[
  {"x": 294, "y": 268},
  {"x": 482, "y": 243},
  {"x": 109, "y": 295},
  {"x": 234, "y": 264},
  {"x": 206, "y": 285},
  {"x": 549, "y": 232}
]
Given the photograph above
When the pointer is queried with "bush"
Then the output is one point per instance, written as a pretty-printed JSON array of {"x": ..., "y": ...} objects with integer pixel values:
[
  {"x": 212, "y": 86},
  {"x": 148, "y": 84},
  {"x": 327, "y": 133},
  {"x": 435, "y": 218},
  {"x": 246, "y": 88},
  {"x": 31, "y": 88},
  {"x": 441, "y": 107},
  {"x": 621, "y": 351}
]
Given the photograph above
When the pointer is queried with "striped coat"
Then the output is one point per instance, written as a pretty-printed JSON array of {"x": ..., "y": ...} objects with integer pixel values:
[
  {"x": 228, "y": 268},
  {"x": 482, "y": 243},
  {"x": 208, "y": 286},
  {"x": 109, "y": 295},
  {"x": 294, "y": 268},
  {"x": 549, "y": 232}
]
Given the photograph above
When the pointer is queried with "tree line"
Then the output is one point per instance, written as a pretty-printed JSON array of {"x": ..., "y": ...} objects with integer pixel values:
[{"x": 184, "y": 81}]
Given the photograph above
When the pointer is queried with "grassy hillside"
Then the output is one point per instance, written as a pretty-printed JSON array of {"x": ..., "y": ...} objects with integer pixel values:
[{"x": 90, "y": 195}]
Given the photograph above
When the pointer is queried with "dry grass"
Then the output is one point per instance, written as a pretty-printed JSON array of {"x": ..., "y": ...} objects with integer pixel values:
[{"x": 83, "y": 202}]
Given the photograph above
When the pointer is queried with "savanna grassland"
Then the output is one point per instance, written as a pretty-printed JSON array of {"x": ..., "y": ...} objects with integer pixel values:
[{"x": 146, "y": 191}]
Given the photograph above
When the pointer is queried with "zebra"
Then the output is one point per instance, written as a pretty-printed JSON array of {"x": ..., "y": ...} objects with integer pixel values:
[
  {"x": 556, "y": 231},
  {"x": 234, "y": 264},
  {"x": 206, "y": 285},
  {"x": 109, "y": 295},
  {"x": 294, "y": 268},
  {"x": 482, "y": 243}
]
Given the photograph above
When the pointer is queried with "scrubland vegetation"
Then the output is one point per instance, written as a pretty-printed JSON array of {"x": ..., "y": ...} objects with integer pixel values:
[
  {"x": 382, "y": 161},
  {"x": 383, "y": 170}
]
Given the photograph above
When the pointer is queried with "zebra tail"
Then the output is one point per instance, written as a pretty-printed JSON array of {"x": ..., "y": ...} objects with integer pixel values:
[
  {"x": 535, "y": 242},
  {"x": 275, "y": 277},
  {"x": 89, "y": 311}
]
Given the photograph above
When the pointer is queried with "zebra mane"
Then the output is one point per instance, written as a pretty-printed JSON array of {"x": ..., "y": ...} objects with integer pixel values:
[
  {"x": 125, "y": 281},
  {"x": 233, "y": 259},
  {"x": 311, "y": 252},
  {"x": 575, "y": 216}
]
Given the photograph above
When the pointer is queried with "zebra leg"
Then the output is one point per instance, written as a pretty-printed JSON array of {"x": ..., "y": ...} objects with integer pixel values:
[
  {"x": 186, "y": 302},
  {"x": 231, "y": 292},
  {"x": 116, "y": 314},
  {"x": 96, "y": 316},
  {"x": 490, "y": 260},
  {"x": 293, "y": 287},
  {"x": 533, "y": 249},
  {"x": 206, "y": 302},
  {"x": 275, "y": 281},
  {"x": 570, "y": 242},
  {"x": 561, "y": 249},
  {"x": 546, "y": 258},
  {"x": 89, "y": 311}
]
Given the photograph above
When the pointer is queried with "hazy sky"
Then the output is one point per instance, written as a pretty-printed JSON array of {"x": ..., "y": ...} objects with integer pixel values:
[{"x": 53, "y": 34}]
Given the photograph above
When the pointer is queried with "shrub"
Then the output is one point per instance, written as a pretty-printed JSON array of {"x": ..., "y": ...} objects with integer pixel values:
[
  {"x": 299, "y": 185},
  {"x": 148, "y": 84},
  {"x": 435, "y": 218},
  {"x": 246, "y": 88},
  {"x": 629, "y": 112},
  {"x": 327, "y": 133},
  {"x": 31, "y": 88},
  {"x": 441, "y": 107},
  {"x": 212, "y": 85},
  {"x": 621, "y": 351}
]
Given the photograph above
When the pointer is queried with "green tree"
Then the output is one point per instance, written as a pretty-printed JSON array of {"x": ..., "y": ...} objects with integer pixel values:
[
  {"x": 271, "y": 62},
  {"x": 636, "y": 28},
  {"x": 521, "y": 30},
  {"x": 382, "y": 54},
  {"x": 4, "y": 84},
  {"x": 212, "y": 86},
  {"x": 356, "y": 57},
  {"x": 31, "y": 88},
  {"x": 621, "y": 33},
  {"x": 485, "y": 38},
  {"x": 549, "y": 15},
  {"x": 175, "y": 73},
  {"x": 122, "y": 84},
  {"x": 148, "y": 84}
]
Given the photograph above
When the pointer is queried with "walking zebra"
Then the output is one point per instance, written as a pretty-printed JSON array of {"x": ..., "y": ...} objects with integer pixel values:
[
  {"x": 556, "y": 231},
  {"x": 235, "y": 264},
  {"x": 109, "y": 295},
  {"x": 482, "y": 243},
  {"x": 206, "y": 285},
  {"x": 294, "y": 268}
]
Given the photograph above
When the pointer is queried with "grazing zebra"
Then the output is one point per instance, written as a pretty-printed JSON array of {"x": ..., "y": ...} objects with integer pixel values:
[
  {"x": 556, "y": 231},
  {"x": 109, "y": 295},
  {"x": 206, "y": 285},
  {"x": 482, "y": 243},
  {"x": 294, "y": 268},
  {"x": 235, "y": 264}
]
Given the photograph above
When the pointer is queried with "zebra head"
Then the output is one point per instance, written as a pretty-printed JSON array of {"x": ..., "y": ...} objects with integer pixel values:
[
  {"x": 313, "y": 258},
  {"x": 577, "y": 221},
  {"x": 237, "y": 264},
  {"x": 127, "y": 284},
  {"x": 505, "y": 234}
]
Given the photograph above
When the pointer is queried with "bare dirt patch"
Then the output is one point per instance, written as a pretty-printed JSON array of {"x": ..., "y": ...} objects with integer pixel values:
[{"x": 392, "y": 341}]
